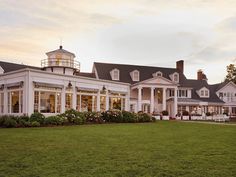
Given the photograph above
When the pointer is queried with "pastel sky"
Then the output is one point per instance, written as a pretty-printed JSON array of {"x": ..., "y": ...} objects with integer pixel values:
[{"x": 144, "y": 32}]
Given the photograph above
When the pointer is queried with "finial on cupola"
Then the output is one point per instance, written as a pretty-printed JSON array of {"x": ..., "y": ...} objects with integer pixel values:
[{"x": 60, "y": 46}]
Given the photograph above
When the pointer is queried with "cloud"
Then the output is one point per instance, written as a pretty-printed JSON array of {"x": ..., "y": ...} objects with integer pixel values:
[{"x": 155, "y": 32}]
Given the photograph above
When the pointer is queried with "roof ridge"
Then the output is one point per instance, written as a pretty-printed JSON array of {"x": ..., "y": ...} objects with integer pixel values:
[{"x": 134, "y": 65}]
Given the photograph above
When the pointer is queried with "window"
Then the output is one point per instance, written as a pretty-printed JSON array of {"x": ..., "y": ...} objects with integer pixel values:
[
  {"x": 157, "y": 74},
  {"x": 175, "y": 77},
  {"x": 47, "y": 102},
  {"x": 115, "y": 74},
  {"x": 87, "y": 100},
  {"x": 202, "y": 92},
  {"x": 135, "y": 75},
  {"x": 69, "y": 101},
  {"x": 182, "y": 93},
  {"x": 206, "y": 93},
  {"x": 15, "y": 102}
]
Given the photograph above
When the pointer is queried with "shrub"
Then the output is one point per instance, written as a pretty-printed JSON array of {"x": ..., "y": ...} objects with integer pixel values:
[
  {"x": 74, "y": 117},
  {"x": 112, "y": 116},
  {"x": 9, "y": 122},
  {"x": 38, "y": 117},
  {"x": 144, "y": 117},
  {"x": 53, "y": 120},
  {"x": 185, "y": 113},
  {"x": 35, "y": 124},
  {"x": 93, "y": 117},
  {"x": 2, "y": 120},
  {"x": 129, "y": 117},
  {"x": 165, "y": 113}
]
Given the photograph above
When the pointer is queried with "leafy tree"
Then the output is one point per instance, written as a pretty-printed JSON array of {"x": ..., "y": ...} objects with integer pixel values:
[{"x": 231, "y": 73}]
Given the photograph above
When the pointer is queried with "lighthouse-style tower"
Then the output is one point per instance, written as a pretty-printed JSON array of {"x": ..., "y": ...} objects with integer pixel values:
[{"x": 61, "y": 61}]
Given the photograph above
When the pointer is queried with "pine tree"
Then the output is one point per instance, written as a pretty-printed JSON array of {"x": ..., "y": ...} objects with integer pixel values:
[{"x": 231, "y": 73}]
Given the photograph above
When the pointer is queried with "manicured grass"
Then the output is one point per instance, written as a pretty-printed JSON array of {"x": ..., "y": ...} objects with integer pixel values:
[{"x": 164, "y": 148}]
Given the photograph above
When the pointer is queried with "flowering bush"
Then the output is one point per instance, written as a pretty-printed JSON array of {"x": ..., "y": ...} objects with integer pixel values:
[
  {"x": 93, "y": 117},
  {"x": 74, "y": 117}
]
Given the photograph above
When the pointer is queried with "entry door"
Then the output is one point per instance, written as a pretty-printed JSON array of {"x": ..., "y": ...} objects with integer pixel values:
[{"x": 146, "y": 108}]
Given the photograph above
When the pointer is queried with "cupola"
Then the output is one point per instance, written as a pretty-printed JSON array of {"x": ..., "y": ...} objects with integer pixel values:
[{"x": 61, "y": 61}]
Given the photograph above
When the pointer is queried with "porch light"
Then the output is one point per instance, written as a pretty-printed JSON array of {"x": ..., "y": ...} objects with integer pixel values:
[
  {"x": 103, "y": 88},
  {"x": 69, "y": 84}
]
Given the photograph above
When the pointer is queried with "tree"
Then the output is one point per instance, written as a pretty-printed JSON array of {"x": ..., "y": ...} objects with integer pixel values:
[{"x": 231, "y": 73}]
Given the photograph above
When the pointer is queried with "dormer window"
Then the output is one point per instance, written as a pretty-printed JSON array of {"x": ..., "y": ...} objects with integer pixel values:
[
  {"x": 115, "y": 74},
  {"x": 135, "y": 75},
  {"x": 157, "y": 74},
  {"x": 175, "y": 77},
  {"x": 204, "y": 92}
]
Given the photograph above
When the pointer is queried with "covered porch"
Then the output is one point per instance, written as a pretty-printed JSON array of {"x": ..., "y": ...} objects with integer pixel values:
[{"x": 152, "y": 97}]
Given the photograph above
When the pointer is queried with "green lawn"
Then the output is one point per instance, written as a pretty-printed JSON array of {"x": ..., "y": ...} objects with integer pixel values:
[{"x": 164, "y": 148}]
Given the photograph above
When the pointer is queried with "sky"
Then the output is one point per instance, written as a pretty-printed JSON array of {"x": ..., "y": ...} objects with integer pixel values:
[{"x": 141, "y": 32}]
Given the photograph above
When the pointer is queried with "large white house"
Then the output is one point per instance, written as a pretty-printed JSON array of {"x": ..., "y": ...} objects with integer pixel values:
[{"x": 59, "y": 85}]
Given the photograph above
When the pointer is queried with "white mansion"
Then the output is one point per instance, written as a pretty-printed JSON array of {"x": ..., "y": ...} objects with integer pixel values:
[{"x": 59, "y": 85}]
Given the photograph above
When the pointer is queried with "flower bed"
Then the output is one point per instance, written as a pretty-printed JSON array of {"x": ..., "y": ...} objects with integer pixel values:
[{"x": 73, "y": 117}]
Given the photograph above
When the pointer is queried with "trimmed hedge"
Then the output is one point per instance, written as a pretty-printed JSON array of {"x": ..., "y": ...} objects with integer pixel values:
[{"x": 73, "y": 117}]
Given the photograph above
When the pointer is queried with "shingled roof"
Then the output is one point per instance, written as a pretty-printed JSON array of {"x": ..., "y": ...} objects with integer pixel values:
[
  {"x": 8, "y": 67},
  {"x": 146, "y": 72}
]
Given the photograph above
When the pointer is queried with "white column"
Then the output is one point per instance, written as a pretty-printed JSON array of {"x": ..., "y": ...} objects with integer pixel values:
[
  {"x": 127, "y": 101},
  {"x": 98, "y": 101},
  {"x": 139, "y": 98},
  {"x": 30, "y": 93},
  {"x": 175, "y": 103},
  {"x": 164, "y": 99},
  {"x": 74, "y": 97},
  {"x": 107, "y": 100},
  {"x": 5, "y": 111},
  {"x": 63, "y": 99},
  {"x": 152, "y": 100}
]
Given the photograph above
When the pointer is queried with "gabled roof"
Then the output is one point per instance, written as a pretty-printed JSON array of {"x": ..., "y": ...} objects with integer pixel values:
[
  {"x": 60, "y": 50},
  {"x": 197, "y": 85},
  {"x": 145, "y": 72},
  {"x": 8, "y": 67}
]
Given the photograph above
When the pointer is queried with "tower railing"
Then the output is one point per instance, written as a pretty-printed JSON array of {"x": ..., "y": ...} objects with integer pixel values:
[{"x": 54, "y": 62}]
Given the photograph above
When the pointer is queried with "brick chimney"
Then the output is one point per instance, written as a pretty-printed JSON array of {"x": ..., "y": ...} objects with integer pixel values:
[
  {"x": 201, "y": 75},
  {"x": 180, "y": 66}
]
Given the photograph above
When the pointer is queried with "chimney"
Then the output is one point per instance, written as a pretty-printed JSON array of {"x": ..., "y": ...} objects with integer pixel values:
[
  {"x": 201, "y": 75},
  {"x": 180, "y": 66}
]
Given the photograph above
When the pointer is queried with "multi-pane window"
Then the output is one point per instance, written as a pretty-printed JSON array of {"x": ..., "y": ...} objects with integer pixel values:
[
  {"x": 182, "y": 93},
  {"x": 87, "y": 100},
  {"x": 115, "y": 74},
  {"x": 15, "y": 101},
  {"x": 47, "y": 99},
  {"x": 135, "y": 75},
  {"x": 69, "y": 101},
  {"x": 36, "y": 101},
  {"x": 202, "y": 92}
]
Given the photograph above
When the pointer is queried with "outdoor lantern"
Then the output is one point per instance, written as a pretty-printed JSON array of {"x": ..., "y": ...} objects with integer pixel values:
[{"x": 69, "y": 84}]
